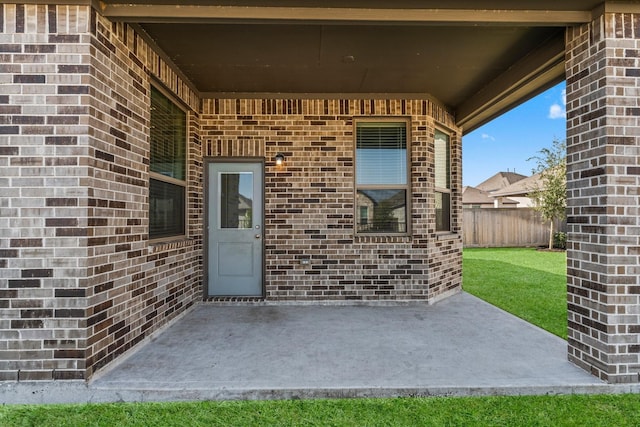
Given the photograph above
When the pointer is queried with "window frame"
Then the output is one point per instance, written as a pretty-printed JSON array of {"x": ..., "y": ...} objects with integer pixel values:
[
  {"x": 443, "y": 190},
  {"x": 406, "y": 187},
  {"x": 167, "y": 179}
]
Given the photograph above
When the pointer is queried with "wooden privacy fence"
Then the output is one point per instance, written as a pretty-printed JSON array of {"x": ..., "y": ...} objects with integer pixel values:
[{"x": 502, "y": 227}]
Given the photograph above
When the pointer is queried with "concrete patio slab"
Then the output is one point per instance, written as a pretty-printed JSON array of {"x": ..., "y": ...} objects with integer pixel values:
[{"x": 460, "y": 346}]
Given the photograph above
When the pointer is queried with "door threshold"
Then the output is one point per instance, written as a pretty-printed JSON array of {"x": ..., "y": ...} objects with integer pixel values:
[{"x": 235, "y": 299}]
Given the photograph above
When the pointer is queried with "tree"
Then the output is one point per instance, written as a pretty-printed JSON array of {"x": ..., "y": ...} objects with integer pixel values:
[{"x": 551, "y": 197}]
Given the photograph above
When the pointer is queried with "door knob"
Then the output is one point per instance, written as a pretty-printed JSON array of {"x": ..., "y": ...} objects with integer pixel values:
[{"x": 257, "y": 236}]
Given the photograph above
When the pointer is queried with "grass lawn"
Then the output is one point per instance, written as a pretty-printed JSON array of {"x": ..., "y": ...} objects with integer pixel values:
[
  {"x": 526, "y": 282},
  {"x": 616, "y": 411}
]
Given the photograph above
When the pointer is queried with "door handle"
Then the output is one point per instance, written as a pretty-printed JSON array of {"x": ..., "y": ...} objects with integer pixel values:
[{"x": 258, "y": 236}]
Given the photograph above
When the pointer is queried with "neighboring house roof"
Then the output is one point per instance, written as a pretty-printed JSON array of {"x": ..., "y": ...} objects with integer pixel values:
[
  {"x": 500, "y": 181},
  {"x": 520, "y": 188},
  {"x": 394, "y": 198},
  {"x": 475, "y": 196},
  {"x": 244, "y": 202}
]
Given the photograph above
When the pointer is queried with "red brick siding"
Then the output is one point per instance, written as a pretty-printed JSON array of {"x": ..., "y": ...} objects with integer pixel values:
[
  {"x": 309, "y": 202},
  {"x": 79, "y": 281},
  {"x": 44, "y": 223},
  {"x": 603, "y": 76},
  {"x": 137, "y": 286}
]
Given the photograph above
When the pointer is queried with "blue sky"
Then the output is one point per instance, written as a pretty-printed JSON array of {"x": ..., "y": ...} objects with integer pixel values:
[{"x": 506, "y": 143}]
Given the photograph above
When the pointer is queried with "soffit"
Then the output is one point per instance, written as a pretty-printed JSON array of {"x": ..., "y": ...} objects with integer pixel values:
[{"x": 478, "y": 58}]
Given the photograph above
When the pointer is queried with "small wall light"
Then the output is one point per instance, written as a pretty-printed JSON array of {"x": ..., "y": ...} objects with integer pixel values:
[{"x": 279, "y": 159}]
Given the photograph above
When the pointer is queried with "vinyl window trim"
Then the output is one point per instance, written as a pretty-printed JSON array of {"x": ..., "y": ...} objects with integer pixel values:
[
  {"x": 444, "y": 190},
  {"x": 167, "y": 179},
  {"x": 406, "y": 187}
]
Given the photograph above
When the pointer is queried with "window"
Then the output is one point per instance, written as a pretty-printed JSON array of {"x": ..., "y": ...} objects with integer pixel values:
[
  {"x": 442, "y": 155},
  {"x": 167, "y": 166},
  {"x": 364, "y": 215},
  {"x": 381, "y": 177},
  {"x": 236, "y": 200}
]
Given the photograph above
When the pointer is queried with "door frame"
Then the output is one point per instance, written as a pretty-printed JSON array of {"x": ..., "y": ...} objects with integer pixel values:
[{"x": 206, "y": 226}]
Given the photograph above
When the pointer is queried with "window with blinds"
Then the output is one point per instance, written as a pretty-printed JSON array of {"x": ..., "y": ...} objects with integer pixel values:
[
  {"x": 167, "y": 166},
  {"x": 381, "y": 177},
  {"x": 442, "y": 167}
]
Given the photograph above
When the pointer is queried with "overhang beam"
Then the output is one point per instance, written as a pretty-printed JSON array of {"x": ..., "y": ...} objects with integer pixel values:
[
  {"x": 533, "y": 74},
  {"x": 141, "y": 13}
]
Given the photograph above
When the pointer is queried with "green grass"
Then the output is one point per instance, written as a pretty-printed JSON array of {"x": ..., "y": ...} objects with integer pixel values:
[
  {"x": 622, "y": 410},
  {"x": 528, "y": 283}
]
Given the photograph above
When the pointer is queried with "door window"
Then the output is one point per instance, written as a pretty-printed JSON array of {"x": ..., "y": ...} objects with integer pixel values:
[{"x": 236, "y": 200}]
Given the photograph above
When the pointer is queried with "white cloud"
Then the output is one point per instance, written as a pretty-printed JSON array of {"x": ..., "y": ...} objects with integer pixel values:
[
  {"x": 556, "y": 111},
  {"x": 487, "y": 136}
]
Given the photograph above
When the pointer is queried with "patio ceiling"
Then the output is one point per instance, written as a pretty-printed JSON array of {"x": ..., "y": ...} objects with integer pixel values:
[{"x": 478, "y": 58}]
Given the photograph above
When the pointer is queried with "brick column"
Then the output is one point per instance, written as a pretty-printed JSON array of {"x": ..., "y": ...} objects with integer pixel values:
[
  {"x": 603, "y": 167},
  {"x": 80, "y": 283},
  {"x": 43, "y": 213}
]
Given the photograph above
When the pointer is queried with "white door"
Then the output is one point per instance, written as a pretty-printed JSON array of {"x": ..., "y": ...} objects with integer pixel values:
[{"x": 235, "y": 229}]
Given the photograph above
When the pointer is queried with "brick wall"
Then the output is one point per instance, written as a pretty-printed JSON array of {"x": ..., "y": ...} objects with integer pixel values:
[
  {"x": 79, "y": 282},
  {"x": 309, "y": 202},
  {"x": 133, "y": 287},
  {"x": 43, "y": 168},
  {"x": 603, "y": 77}
]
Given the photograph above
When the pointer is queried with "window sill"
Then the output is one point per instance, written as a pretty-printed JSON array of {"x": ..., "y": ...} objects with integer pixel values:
[
  {"x": 160, "y": 245},
  {"x": 382, "y": 238},
  {"x": 447, "y": 235}
]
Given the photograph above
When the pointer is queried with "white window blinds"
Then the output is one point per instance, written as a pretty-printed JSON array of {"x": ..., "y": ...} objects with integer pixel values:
[{"x": 381, "y": 151}]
